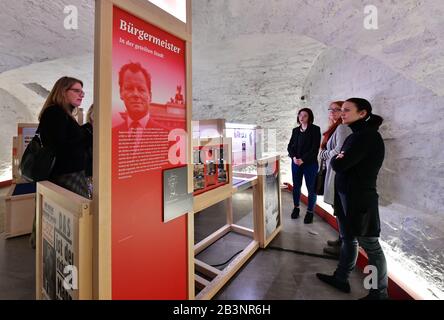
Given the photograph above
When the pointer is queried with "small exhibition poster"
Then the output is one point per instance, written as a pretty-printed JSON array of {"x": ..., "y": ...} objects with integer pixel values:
[
  {"x": 59, "y": 260},
  {"x": 176, "y": 199},
  {"x": 26, "y": 133},
  {"x": 243, "y": 145},
  {"x": 271, "y": 194}
]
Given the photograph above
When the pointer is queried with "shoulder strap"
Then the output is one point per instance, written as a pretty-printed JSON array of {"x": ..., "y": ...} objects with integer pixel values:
[{"x": 37, "y": 135}]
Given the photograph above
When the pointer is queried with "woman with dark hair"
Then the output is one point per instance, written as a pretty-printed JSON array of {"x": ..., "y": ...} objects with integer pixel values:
[
  {"x": 60, "y": 132},
  {"x": 356, "y": 199},
  {"x": 303, "y": 150},
  {"x": 333, "y": 139}
]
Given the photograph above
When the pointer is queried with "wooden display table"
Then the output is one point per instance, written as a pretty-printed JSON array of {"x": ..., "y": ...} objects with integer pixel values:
[{"x": 20, "y": 209}]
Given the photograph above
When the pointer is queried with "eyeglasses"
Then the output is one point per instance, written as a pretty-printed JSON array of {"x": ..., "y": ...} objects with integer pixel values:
[
  {"x": 78, "y": 91},
  {"x": 334, "y": 110}
]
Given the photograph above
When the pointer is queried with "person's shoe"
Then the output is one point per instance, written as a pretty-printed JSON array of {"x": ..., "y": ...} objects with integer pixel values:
[
  {"x": 308, "y": 217},
  {"x": 334, "y": 243},
  {"x": 376, "y": 295},
  {"x": 334, "y": 251},
  {"x": 331, "y": 280},
  {"x": 295, "y": 213}
]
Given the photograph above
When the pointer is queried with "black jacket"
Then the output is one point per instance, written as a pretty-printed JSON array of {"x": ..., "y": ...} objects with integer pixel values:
[
  {"x": 307, "y": 148},
  {"x": 66, "y": 137},
  {"x": 89, "y": 150},
  {"x": 356, "y": 176}
]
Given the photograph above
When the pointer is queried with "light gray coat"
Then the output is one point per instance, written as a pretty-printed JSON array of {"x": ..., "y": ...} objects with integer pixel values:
[{"x": 333, "y": 148}]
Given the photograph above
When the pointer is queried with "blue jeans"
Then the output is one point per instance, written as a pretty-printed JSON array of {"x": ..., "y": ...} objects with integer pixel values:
[
  {"x": 309, "y": 171},
  {"x": 349, "y": 253}
]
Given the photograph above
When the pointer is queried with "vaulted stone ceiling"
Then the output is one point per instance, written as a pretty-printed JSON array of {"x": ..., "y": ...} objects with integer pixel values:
[
  {"x": 33, "y": 31},
  {"x": 408, "y": 38}
]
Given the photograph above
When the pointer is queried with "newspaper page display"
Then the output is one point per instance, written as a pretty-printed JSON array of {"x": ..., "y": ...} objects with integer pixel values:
[
  {"x": 59, "y": 271},
  {"x": 272, "y": 219},
  {"x": 27, "y": 134},
  {"x": 243, "y": 145}
]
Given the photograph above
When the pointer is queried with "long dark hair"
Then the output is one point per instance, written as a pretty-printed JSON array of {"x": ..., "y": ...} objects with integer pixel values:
[
  {"x": 373, "y": 120},
  {"x": 311, "y": 117}
]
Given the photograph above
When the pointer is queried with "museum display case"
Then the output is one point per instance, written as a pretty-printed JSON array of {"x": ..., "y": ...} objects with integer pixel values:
[{"x": 228, "y": 158}]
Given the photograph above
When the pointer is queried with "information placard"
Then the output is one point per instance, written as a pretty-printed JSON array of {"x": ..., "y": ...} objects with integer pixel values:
[
  {"x": 271, "y": 195},
  {"x": 176, "y": 199}
]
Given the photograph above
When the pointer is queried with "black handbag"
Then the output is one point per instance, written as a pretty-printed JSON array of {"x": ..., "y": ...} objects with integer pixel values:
[
  {"x": 320, "y": 178},
  {"x": 37, "y": 161}
]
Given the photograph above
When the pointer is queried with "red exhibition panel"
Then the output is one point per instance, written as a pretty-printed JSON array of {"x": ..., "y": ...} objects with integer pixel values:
[{"x": 149, "y": 257}]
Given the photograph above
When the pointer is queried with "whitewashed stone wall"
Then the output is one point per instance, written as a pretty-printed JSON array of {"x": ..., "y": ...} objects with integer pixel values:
[
  {"x": 399, "y": 68},
  {"x": 413, "y": 129},
  {"x": 411, "y": 181},
  {"x": 254, "y": 79},
  {"x": 33, "y": 31}
]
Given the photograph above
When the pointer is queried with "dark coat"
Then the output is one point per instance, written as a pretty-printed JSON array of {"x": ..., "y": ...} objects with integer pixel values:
[
  {"x": 61, "y": 133},
  {"x": 356, "y": 175},
  {"x": 89, "y": 151},
  {"x": 310, "y": 145}
]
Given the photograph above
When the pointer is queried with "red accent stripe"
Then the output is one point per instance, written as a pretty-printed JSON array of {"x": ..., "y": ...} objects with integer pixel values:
[
  {"x": 5, "y": 183},
  {"x": 395, "y": 291}
]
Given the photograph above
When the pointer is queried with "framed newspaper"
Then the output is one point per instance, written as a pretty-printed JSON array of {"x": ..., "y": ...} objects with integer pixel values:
[
  {"x": 64, "y": 244},
  {"x": 270, "y": 208}
]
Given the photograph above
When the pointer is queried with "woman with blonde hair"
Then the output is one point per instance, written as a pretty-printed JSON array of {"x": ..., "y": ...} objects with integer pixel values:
[{"x": 60, "y": 132}]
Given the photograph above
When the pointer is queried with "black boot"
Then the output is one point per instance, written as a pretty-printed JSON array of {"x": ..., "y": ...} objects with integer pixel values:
[
  {"x": 334, "y": 243},
  {"x": 375, "y": 294},
  {"x": 295, "y": 213},
  {"x": 334, "y": 251},
  {"x": 308, "y": 217},
  {"x": 334, "y": 282}
]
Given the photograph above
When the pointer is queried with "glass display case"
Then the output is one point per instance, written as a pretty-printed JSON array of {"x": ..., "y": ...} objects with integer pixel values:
[
  {"x": 210, "y": 168},
  {"x": 247, "y": 143},
  {"x": 228, "y": 158}
]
